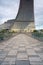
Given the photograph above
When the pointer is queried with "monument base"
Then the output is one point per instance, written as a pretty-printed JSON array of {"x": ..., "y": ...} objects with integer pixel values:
[{"x": 23, "y": 27}]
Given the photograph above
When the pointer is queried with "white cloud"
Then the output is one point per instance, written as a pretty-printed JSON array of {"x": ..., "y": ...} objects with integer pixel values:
[
  {"x": 8, "y": 9},
  {"x": 38, "y": 10}
]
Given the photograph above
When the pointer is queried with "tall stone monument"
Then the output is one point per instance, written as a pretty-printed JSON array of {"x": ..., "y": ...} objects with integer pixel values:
[
  {"x": 25, "y": 17},
  {"x": 26, "y": 11}
]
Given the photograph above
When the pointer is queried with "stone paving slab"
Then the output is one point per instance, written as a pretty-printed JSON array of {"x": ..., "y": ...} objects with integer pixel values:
[
  {"x": 22, "y": 62},
  {"x": 22, "y": 56},
  {"x": 35, "y": 59},
  {"x": 13, "y": 52},
  {"x": 31, "y": 52},
  {"x": 21, "y": 50},
  {"x": 36, "y": 63}
]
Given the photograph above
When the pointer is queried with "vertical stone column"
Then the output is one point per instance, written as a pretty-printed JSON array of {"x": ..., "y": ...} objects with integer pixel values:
[
  {"x": 26, "y": 11},
  {"x": 25, "y": 16}
]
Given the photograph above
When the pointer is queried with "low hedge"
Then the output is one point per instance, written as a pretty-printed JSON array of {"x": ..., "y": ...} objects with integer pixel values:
[
  {"x": 4, "y": 33},
  {"x": 37, "y": 33}
]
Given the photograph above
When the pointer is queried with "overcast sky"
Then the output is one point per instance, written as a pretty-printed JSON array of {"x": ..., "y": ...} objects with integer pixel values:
[
  {"x": 9, "y": 9},
  {"x": 38, "y": 9}
]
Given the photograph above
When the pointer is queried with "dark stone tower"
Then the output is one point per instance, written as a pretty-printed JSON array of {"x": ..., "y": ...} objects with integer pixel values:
[
  {"x": 26, "y": 11},
  {"x": 25, "y": 15}
]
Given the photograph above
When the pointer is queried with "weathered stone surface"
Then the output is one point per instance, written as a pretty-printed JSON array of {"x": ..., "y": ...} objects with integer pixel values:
[
  {"x": 26, "y": 51},
  {"x": 22, "y": 62},
  {"x": 25, "y": 12}
]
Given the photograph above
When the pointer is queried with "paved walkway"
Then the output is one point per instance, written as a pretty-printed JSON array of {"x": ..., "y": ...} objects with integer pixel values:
[{"x": 21, "y": 50}]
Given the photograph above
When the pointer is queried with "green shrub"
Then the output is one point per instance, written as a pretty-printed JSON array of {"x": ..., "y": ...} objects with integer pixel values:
[
  {"x": 13, "y": 32},
  {"x": 5, "y": 34},
  {"x": 35, "y": 31},
  {"x": 1, "y": 36},
  {"x": 41, "y": 30},
  {"x": 3, "y": 31}
]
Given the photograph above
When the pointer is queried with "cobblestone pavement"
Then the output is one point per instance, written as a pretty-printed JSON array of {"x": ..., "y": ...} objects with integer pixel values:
[{"x": 21, "y": 50}]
